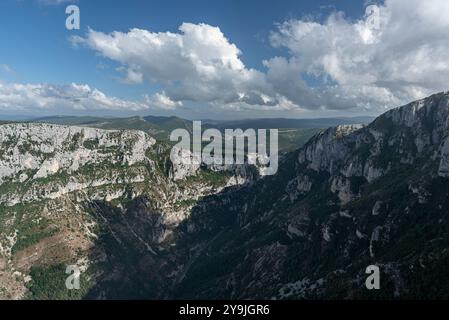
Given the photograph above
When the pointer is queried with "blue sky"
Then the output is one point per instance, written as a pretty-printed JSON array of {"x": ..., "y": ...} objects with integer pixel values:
[{"x": 39, "y": 53}]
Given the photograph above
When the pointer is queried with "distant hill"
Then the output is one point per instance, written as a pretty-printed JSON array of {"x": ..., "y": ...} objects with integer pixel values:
[
  {"x": 293, "y": 132},
  {"x": 69, "y": 120},
  {"x": 283, "y": 123},
  {"x": 169, "y": 123},
  {"x": 160, "y": 127},
  {"x": 172, "y": 122}
]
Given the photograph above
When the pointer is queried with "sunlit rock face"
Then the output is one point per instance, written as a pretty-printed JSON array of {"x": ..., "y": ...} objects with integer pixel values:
[
  {"x": 58, "y": 184},
  {"x": 50, "y": 148},
  {"x": 404, "y": 135}
]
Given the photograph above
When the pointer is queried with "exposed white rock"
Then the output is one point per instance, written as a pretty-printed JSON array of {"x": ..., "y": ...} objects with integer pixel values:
[
  {"x": 359, "y": 234},
  {"x": 49, "y": 149},
  {"x": 423, "y": 194},
  {"x": 302, "y": 184},
  {"x": 342, "y": 187},
  {"x": 345, "y": 214},
  {"x": 372, "y": 173},
  {"x": 293, "y": 231},
  {"x": 376, "y": 208},
  {"x": 375, "y": 237},
  {"x": 325, "y": 230},
  {"x": 184, "y": 163},
  {"x": 443, "y": 170},
  {"x": 327, "y": 148}
]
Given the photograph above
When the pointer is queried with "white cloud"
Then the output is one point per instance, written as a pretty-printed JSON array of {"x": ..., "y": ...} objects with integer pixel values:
[
  {"x": 352, "y": 65},
  {"x": 197, "y": 64},
  {"x": 406, "y": 59},
  {"x": 339, "y": 64},
  {"x": 161, "y": 101},
  {"x": 133, "y": 77},
  {"x": 56, "y": 98}
]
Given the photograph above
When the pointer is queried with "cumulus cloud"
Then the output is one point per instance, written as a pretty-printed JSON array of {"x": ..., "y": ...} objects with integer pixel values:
[
  {"x": 406, "y": 58},
  {"x": 332, "y": 65},
  {"x": 197, "y": 64},
  {"x": 162, "y": 101},
  {"x": 58, "y": 98}
]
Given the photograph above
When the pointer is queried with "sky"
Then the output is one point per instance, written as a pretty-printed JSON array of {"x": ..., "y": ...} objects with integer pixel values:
[{"x": 221, "y": 59}]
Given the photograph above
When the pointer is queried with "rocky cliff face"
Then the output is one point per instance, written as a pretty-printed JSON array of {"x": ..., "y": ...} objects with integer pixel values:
[
  {"x": 409, "y": 135},
  {"x": 35, "y": 152},
  {"x": 139, "y": 227},
  {"x": 60, "y": 184},
  {"x": 353, "y": 196}
]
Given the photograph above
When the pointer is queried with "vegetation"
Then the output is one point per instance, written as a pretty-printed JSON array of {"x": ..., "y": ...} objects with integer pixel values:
[
  {"x": 31, "y": 232},
  {"x": 49, "y": 283}
]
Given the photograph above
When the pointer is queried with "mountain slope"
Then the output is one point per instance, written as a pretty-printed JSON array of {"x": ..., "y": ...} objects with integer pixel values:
[
  {"x": 64, "y": 189},
  {"x": 351, "y": 197},
  {"x": 139, "y": 227}
]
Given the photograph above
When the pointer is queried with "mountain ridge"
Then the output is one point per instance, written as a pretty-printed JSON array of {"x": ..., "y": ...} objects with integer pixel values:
[
  {"x": 352, "y": 196},
  {"x": 357, "y": 196}
]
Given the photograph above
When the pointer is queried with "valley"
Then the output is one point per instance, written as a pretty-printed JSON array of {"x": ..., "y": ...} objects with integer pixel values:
[{"x": 111, "y": 202}]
